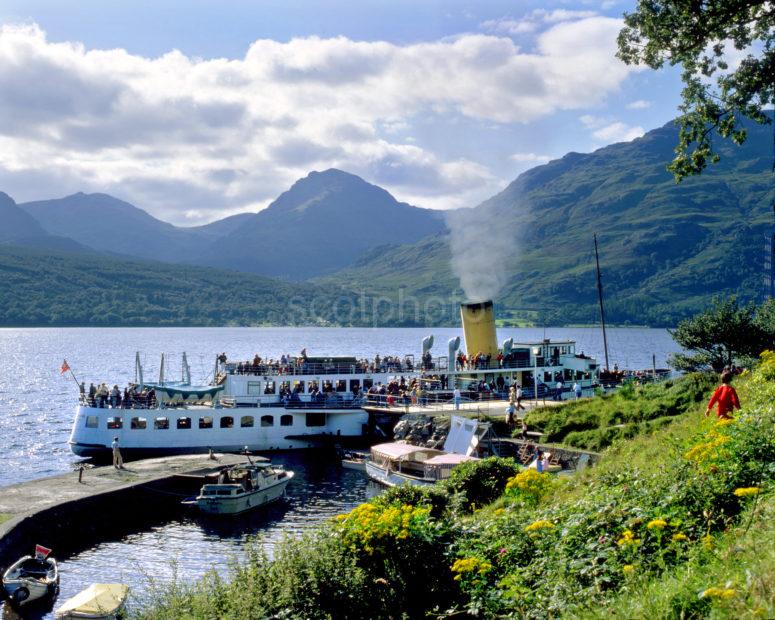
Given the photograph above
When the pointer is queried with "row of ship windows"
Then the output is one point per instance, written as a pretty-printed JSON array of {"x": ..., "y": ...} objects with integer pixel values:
[
  {"x": 307, "y": 387},
  {"x": 163, "y": 423}
]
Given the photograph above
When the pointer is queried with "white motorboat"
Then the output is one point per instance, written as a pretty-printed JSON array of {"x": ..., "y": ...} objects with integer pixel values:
[
  {"x": 32, "y": 577},
  {"x": 100, "y": 601},
  {"x": 244, "y": 487}
]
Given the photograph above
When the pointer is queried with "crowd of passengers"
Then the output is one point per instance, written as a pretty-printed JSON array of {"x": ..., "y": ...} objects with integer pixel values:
[
  {"x": 288, "y": 364},
  {"x": 131, "y": 397},
  {"x": 326, "y": 394},
  {"x": 419, "y": 392}
]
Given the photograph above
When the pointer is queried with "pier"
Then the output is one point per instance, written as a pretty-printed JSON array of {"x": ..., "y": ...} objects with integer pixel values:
[{"x": 66, "y": 514}]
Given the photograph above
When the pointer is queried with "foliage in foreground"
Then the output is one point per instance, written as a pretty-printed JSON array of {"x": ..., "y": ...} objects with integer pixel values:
[{"x": 651, "y": 518}]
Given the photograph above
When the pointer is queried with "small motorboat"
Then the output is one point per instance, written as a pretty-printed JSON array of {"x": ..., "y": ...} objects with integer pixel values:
[
  {"x": 243, "y": 487},
  {"x": 354, "y": 460},
  {"x": 100, "y": 601},
  {"x": 32, "y": 577}
]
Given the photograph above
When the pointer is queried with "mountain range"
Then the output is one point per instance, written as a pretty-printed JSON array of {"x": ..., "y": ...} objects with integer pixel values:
[
  {"x": 324, "y": 222},
  {"x": 665, "y": 248}
]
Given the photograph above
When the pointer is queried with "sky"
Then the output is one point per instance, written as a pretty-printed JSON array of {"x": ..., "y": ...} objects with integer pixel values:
[{"x": 194, "y": 110}]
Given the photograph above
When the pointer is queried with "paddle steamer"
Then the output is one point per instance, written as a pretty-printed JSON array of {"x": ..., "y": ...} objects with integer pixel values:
[{"x": 308, "y": 400}]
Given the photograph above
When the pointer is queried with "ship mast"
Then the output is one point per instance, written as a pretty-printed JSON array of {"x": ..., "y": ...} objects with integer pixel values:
[{"x": 600, "y": 298}]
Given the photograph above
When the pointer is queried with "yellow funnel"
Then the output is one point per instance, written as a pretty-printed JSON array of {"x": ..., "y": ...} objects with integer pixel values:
[{"x": 479, "y": 328}]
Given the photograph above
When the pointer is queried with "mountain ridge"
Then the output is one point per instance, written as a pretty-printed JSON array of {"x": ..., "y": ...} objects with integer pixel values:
[{"x": 329, "y": 217}]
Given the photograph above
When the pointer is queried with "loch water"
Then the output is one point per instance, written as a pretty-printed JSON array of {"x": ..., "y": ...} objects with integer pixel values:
[{"x": 37, "y": 405}]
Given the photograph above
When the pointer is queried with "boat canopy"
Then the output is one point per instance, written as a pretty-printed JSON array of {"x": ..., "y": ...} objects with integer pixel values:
[
  {"x": 450, "y": 459},
  {"x": 400, "y": 450},
  {"x": 185, "y": 391}
]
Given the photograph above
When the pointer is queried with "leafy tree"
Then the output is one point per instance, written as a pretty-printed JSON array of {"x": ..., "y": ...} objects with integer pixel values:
[
  {"x": 719, "y": 336},
  {"x": 696, "y": 36},
  {"x": 765, "y": 318}
]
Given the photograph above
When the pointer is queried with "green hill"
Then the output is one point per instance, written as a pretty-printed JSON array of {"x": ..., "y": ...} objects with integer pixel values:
[
  {"x": 53, "y": 288},
  {"x": 666, "y": 248}
]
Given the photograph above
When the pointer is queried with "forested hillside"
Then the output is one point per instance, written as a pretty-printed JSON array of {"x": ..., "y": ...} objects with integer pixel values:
[
  {"x": 52, "y": 288},
  {"x": 665, "y": 248}
]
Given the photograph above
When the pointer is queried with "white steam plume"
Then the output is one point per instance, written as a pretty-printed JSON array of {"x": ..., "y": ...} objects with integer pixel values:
[{"x": 483, "y": 244}]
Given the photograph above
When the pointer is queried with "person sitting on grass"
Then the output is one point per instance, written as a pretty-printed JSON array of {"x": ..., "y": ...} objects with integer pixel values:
[{"x": 725, "y": 397}]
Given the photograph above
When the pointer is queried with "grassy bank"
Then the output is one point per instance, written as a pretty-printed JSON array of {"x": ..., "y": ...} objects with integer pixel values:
[
  {"x": 596, "y": 423},
  {"x": 668, "y": 525}
]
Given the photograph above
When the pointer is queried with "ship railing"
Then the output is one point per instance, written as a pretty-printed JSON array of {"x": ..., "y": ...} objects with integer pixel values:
[
  {"x": 509, "y": 364},
  {"x": 437, "y": 397},
  {"x": 326, "y": 403},
  {"x": 136, "y": 402}
]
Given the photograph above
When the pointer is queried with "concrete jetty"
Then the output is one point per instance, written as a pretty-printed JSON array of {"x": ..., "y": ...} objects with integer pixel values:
[{"x": 62, "y": 513}]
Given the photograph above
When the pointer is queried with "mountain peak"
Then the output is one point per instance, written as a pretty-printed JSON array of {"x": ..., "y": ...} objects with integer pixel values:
[{"x": 5, "y": 199}]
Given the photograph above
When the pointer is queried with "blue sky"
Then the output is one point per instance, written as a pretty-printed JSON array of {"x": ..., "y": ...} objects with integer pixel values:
[{"x": 196, "y": 110}]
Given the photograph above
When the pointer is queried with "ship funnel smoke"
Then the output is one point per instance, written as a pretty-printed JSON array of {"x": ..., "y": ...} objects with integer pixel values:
[{"x": 482, "y": 244}]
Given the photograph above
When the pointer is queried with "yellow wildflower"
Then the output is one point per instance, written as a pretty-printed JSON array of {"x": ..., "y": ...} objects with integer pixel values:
[
  {"x": 499, "y": 511},
  {"x": 747, "y": 491},
  {"x": 656, "y": 524},
  {"x": 628, "y": 569},
  {"x": 680, "y": 536},
  {"x": 628, "y": 539},
  {"x": 725, "y": 422},
  {"x": 703, "y": 451},
  {"x": 530, "y": 482},
  {"x": 470, "y": 566},
  {"x": 541, "y": 524},
  {"x": 707, "y": 542},
  {"x": 722, "y": 593}
]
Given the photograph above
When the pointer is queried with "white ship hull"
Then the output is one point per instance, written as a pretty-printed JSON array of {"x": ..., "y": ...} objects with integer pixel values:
[{"x": 199, "y": 429}]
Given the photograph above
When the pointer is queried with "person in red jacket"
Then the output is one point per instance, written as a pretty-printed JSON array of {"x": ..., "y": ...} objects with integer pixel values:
[{"x": 725, "y": 397}]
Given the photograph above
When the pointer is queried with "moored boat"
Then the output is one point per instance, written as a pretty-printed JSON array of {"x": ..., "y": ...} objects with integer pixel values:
[
  {"x": 402, "y": 463},
  {"x": 31, "y": 578},
  {"x": 100, "y": 601},
  {"x": 244, "y": 487},
  {"x": 394, "y": 464}
]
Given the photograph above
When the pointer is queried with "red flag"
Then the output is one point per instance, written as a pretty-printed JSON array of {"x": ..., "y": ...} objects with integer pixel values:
[
  {"x": 65, "y": 367},
  {"x": 41, "y": 552}
]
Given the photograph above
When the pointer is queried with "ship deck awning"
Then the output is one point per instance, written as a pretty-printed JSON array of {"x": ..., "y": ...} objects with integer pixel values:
[{"x": 186, "y": 391}]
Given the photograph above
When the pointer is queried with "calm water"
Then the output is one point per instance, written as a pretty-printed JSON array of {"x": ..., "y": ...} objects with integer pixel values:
[{"x": 36, "y": 407}]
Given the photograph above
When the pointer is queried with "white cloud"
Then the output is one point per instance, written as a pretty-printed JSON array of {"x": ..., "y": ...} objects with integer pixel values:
[
  {"x": 184, "y": 137},
  {"x": 533, "y": 21},
  {"x": 618, "y": 132},
  {"x": 507, "y": 25},
  {"x": 530, "y": 158},
  {"x": 591, "y": 121},
  {"x": 640, "y": 104}
]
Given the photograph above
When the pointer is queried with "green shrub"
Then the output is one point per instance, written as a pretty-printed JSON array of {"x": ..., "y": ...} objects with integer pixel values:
[
  {"x": 478, "y": 483},
  {"x": 434, "y": 497}
]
